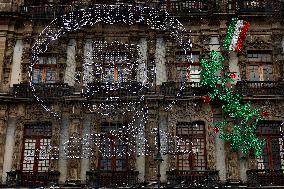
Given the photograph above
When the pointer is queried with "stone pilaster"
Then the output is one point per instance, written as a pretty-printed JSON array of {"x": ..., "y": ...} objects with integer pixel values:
[
  {"x": 27, "y": 44},
  {"x": 7, "y": 62}
]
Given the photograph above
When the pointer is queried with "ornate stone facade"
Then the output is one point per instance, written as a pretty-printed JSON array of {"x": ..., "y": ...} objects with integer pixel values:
[{"x": 72, "y": 109}]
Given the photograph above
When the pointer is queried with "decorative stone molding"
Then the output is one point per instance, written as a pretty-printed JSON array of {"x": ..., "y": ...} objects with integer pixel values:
[
  {"x": 188, "y": 111},
  {"x": 74, "y": 163},
  {"x": 19, "y": 132},
  {"x": 258, "y": 43}
]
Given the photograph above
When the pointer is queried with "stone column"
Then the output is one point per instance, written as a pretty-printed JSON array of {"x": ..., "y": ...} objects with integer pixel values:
[
  {"x": 140, "y": 149},
  {"x": 85, "y": 162},
  {"x": 16, "y": 74},
  {"x": 88, "y": 75},
  {"x": 62, "y": 162},
  {"x": 2, "y": 53},
  {"x": 160, "y": 59},
  {"x": 3, "y": 128},
  {"x": 163, "y": 121},
  {"x": 151, "y": 66},
  {"x": 55, "y": 141},
  {"x": 142, "y": 60},
  {"x": 70, "y": 63},
  {"x": 220, "y": 149},
  {"x": 9, "y": 146}
]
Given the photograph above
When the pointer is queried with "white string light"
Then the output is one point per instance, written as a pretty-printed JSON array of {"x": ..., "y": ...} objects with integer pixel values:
[{"x": 111, "y": 14}]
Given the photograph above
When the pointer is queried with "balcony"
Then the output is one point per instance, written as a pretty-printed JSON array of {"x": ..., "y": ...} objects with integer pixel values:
[
  {"x": 258, "y": 6},
  {"x": 19, "y": 178},
  {"x": 260, "y": 88},
  {"x": 111, "y": 178},
  {"x": 187, "y": 7},
  {"x": 191, "y": 178},
  {"x": 265, "y": 177},
  {"x": 116, "y": 89},
  {"x": 42, "y": 90},
  {"x": 45, "y": 11},
  {"x": 172, "y": 88}
]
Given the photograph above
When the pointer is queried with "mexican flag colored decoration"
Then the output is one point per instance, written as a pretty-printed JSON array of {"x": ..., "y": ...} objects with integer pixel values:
[{"x": 236, "y": 35}]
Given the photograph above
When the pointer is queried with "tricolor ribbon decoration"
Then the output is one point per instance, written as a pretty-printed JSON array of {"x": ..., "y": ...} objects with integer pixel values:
[{"x": 236, "y": 35}]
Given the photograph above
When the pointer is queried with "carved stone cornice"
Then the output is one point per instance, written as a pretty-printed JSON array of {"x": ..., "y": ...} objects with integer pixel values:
[{"x": 258, "y": 43}]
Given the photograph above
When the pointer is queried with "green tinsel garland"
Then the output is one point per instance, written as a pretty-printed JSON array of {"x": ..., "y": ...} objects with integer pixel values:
[{"x": 242, "y": 136}]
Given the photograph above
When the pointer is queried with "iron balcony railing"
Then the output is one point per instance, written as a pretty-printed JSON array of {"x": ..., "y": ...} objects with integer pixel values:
[
  {"x": 187, "y": 7},
  {"x": 260, "y": 88},
  {"x": 49, "y": 11},
  {"x": 265, "y": 177},
  {"x": 251, "y": 7},
  {"x": 192, "y": 178},
  {"x": 104, "y": 178},
  {"x": 42, "y": 90},
  {"x": 27, "y": 179},
  {"x": 116, "y": 89},
  {"x": 173, "y": 88}
]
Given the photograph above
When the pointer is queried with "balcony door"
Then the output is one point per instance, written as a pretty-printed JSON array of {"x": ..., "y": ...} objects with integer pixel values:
[
  {"x": 113, "y": 162},
  {"x": 194, "y": 146},
  {"x": 35, "y": 153},
  {"x": 272, "y": 157}
]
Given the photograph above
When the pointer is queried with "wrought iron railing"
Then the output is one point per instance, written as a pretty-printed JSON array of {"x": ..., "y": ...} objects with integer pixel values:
[
  {"x": 186, "y": 7},
  {"x": 249, "y": 6},
  {"x": 45, "y": 11},
  {"x": 260, "y": 88},
  {"x": 193, "y": 178},
  {"x": 172, "y": 88},
  {"x": 111, "y": 178},
  {"x": 265, "y": 177},
  {"x": 116, "y": 89},
  {"x": 19, "y": 178},
  {"x": 42, "y": 90}
]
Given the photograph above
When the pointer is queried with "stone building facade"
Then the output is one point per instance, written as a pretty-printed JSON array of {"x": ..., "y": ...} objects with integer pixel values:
[{"x": 51, "y": 130}]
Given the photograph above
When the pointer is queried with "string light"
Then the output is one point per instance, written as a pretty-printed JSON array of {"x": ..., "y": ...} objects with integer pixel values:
[{"x": 111, "y": 14}]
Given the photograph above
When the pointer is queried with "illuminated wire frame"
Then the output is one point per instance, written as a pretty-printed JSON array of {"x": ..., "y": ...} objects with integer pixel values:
[{"x": 110, "y": 14}]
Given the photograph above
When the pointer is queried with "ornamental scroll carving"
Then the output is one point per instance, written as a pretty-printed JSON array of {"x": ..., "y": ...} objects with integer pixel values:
[{"x": 16, "y": 162}]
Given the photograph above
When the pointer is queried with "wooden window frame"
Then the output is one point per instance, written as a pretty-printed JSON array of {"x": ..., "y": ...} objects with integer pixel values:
[
  {"x": 191, "y": 137},
  {"x": 187, "y": 64},
  {"x": 116, "y": 73},
  {"x": 260, "y": 64},
  {"x": 268, "y": 136},
  {"x": 38, "y": 136},
  {"x": 44, "y": 68},
  {"x": 114, "y": 157}
]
